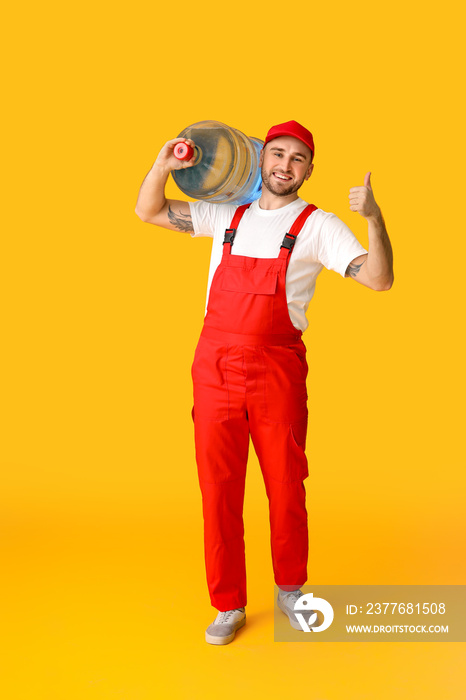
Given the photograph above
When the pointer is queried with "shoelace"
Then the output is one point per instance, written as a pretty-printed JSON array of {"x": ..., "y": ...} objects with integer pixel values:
[
  {"x": 292, "y": 597},
  {"x": 223, "y": 617}
]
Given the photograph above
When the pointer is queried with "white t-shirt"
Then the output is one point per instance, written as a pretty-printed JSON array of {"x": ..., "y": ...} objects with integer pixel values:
[{"x": 324, "y": 241}]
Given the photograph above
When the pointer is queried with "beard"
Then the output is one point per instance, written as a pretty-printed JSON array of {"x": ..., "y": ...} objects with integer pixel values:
[{"x": 276, "y": 189}]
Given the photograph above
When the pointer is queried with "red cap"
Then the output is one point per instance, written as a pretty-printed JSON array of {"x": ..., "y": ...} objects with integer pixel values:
[
  {"x": 291, "y": 129},
  {"x": 183, "y": 151}
]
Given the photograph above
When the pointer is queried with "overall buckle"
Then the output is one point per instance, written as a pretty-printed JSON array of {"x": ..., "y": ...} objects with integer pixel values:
[
  {"x": 288, "y": 241},
  {"x": 230, "y": 234}
]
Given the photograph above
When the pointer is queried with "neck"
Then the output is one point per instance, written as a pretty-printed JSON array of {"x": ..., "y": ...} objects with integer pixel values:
[{"x": 268, "y": 200}]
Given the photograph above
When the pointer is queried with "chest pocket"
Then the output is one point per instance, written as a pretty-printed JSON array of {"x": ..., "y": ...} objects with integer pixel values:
[{"x": 254, "y": 280}]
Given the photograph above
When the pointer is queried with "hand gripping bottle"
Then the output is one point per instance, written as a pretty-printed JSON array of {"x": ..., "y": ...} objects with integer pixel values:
[{"x": 226, "y": 167}]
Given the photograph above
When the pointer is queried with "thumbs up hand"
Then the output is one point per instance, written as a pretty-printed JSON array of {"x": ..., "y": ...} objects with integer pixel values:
[{"x": 362, "y": 199}]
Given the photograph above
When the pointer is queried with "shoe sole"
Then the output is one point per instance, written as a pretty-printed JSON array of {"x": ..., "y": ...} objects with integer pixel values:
[{"x": 224, "y": 640}]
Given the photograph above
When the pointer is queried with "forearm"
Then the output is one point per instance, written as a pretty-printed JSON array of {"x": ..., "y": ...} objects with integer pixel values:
[
  {"x": 379, "y": 263},
  {"x": 151, "y": 198}
]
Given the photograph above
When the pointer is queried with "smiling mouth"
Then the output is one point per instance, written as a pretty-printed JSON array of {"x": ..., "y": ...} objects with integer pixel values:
[{"x": 281, "y": 177}]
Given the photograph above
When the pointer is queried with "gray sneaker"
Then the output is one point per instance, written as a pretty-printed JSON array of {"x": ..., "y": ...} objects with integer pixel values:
[
  {"x": 286, "y": 602},
  {"x": 223, "y": 628}
]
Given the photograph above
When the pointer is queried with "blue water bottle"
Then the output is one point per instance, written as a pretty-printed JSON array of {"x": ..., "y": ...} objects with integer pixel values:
[{"x": 226, "y": 167}]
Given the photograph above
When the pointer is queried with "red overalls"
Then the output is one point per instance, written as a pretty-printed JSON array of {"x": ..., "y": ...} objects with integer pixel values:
[{"x": 249, "y": 375}]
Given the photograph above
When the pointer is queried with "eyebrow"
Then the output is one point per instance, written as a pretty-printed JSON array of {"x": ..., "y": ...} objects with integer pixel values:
[{"x": 282, "y": 150}]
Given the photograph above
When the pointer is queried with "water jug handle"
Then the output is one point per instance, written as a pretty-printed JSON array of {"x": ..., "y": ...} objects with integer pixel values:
[{"x": 183, "y": 151}]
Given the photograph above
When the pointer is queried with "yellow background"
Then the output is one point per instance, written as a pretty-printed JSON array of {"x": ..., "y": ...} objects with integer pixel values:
[{"x": 103, "y": 581}]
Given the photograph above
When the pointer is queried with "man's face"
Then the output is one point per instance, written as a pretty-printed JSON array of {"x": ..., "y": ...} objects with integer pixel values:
[{"x": 285, "y": 164}]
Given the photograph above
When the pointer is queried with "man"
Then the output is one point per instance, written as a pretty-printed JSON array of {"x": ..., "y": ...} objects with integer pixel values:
[{"x": 249, "y": 371}]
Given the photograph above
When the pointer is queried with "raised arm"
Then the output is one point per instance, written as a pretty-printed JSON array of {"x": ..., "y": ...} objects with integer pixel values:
[
  {"x": 152, "y": 205},
  {"x": 375, "y": 269}
]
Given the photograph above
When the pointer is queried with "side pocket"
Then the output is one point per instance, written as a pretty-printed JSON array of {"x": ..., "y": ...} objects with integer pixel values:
[
  {"x": 298, "y": 433},
  {"x": 303, "y": 363}
]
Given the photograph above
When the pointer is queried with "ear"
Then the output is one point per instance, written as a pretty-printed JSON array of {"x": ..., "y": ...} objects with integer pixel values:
[
  {"x": 261, "y": 158},
  {"x": 309, "y": 171}
]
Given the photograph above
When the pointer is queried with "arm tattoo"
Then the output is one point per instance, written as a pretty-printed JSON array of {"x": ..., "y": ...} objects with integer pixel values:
[
  {"x": 183, "y": 222},
  {"x": 352, "y": 270}
]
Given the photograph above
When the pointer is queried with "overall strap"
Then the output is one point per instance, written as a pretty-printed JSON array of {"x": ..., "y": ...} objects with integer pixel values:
[
  {"x": 230, "y": 233},
  {"x": 290, "y": 238}
]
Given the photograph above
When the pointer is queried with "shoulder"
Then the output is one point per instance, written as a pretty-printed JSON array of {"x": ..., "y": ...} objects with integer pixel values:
[
  {"x": 321, "y": 216},
  {"x": 317, "y": 217},
  {"x": 324, "y": 230},
  {"x": 317, "y": 221},
  {"x": 329, "y": 224},
  {"x": 202, "y": 208},
  {"x": 208, "y": 217}
]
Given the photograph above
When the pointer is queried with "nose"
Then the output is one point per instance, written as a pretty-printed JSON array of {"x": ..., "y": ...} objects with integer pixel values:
[{"x": 286, "y": 162}]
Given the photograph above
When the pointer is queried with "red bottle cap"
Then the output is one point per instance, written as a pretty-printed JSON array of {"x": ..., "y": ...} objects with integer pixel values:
[{"x": 183, "y": 151}]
